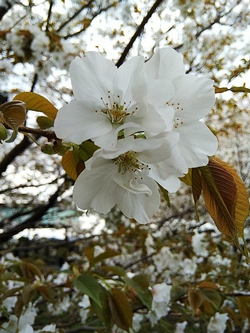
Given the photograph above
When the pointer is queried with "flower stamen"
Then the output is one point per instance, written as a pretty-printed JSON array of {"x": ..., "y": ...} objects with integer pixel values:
[{"x": 114, "y": 110}]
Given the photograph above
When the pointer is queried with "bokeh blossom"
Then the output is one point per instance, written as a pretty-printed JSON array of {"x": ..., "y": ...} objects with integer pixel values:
[{"x": 217, "y": 323}]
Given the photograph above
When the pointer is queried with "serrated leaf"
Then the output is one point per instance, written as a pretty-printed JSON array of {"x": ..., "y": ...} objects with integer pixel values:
[
  {"x": 47, "y": 292},
  {"x": 120, "y": 309},
  {"x": 30, "y": 270},
  {"x": 207, "y": 284},
  {"x": 226, "y": 198},
  {"x": 177, "y": 292},
  {"x": 117, "y": 270},
  {"x": 244, "y": 306},
  {"x": 19, "y": 306},
  {"x": 196, "y": 184},
  {"x": 140, "y": 284},
  {"x": 103, "y": 311},
  {"x": 37, "y": 102},
  {"x": 213, "y": 297},
  {"x": 28, "y": 294},
  {"x": 72, "y": 165},
  {"x": 89, "y": 253},
  {"x": 195, "y": 299},
  {"x": 88, "y": 285}
]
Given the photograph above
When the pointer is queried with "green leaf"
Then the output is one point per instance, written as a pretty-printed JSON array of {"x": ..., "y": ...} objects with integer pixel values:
[
  {"x": 103, "y": 310},
  {"x": 3, "y": 133},
  {"x": 140, "y": 283},
  {"x": 86, "y": 150},
  {"x": 109, "y": 253},
  {"x": 213, "y": 297},
  {"x": 88, "y": 285},
  {"x": 165, "y": 195},
  {"x": 44, "y": 122},
  {"x": 38, "y": 103},
  {"x": 89, "y": 253},
  {"x": 120, "y": 309},
  {"x": 117, "y": 270}
]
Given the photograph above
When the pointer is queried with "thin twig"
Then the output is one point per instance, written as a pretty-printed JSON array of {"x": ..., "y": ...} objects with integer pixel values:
[{"x": 138, "y": 32}]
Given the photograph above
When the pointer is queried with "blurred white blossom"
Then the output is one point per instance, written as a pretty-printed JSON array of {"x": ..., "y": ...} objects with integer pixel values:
[
  {"x": 160, "y": 303},
  {"x": 217, "y": 323}
]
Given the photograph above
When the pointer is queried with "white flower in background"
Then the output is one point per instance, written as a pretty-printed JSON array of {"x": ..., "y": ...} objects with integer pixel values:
[
  {"x": 61, "y": 278},
  {"x": 217, "y": 323},
  {"x": 27, "y": 319},
  {"x": 108, "y": 101},
  {"x": 149, "y": 244},
  {"x": 199, "y": 244},
  {"x": 161, "y": 299},
  {"x": 189, "y": 266},
  {"x": 124, "y": 178},
  {"x": 23, "y": 325},
  {"x": 193, "y": 98},
  {"x": 84, "y": 304},
  {"x": 166, "y": 259},
  {"x": 180, "y": 327},
  {"x": 49, "y": 328}
]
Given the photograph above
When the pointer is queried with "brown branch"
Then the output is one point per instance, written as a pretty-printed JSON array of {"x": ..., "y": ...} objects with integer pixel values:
[
  {"x": 138, "y": 32},
  {"x": 74, "y": 16},
  {"x": 210, "y": 25},
  {"x": 31, "y": 221},
  {"x": 47, "y": 134},
  {"x": 49, "y": 15},
  {"x": 92, "y": 18},
  {"x": 16, "y": 151}
]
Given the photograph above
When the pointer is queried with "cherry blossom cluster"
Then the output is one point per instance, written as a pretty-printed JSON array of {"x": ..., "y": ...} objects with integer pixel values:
[{"x": 146, "y": 119}]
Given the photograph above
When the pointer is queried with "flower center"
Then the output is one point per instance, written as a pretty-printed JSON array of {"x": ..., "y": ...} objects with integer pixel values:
[
  {"x": 115, "y": 110},
  {"x": 129, "y": 162}
]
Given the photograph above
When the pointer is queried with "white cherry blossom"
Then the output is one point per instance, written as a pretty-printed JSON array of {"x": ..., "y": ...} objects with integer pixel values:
[
  {"x": 124, "y": 178},
  {"x": 193, "y": 98},
  {"x": 109, "y": 101}
]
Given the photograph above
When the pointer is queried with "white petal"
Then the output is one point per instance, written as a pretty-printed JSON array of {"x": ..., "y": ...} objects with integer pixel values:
[
  {"x": 166, "y": 63},
  {"x": 195, "y": 95},
  {"x": 130, "y": 80},
  {"x": 156, "y": 149},
  {"x": 140, "y": 206},
  {"x": 167, "y": 180},
  {"x": 77, "y": 122},
  {"x": 196, "y": 143},
  {"x": 109, "y": 141},
  {"x": 96, "y": 189},
  {"x": 159, "y": 92},
  {"x": 92, "y": 76}
]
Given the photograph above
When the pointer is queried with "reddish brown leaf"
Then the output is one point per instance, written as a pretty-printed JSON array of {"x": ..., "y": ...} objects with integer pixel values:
[{"x": 120, "y": 309}]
